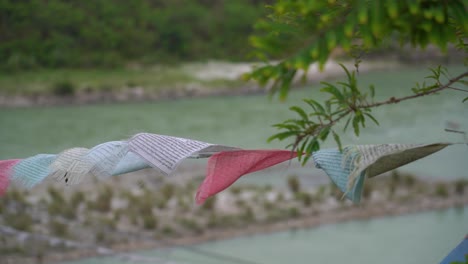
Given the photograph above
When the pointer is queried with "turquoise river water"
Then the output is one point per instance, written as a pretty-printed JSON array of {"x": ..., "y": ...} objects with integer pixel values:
[
  {"x": 411, "y": 239},
  {"x": 245, "y": 122}
]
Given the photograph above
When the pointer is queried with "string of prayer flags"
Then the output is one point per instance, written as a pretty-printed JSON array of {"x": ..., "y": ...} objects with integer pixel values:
[
  {"x": 144, "y": 150},
  {"x": 347, "y": 169}
]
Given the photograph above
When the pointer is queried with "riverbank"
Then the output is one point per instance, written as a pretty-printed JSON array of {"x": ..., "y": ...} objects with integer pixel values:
[
  {"x": 239, "y": 211},
  {"x": 158, "y": 83}
]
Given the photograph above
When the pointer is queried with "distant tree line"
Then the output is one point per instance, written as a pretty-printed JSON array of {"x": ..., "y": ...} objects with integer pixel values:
[{"x": 107, "y": 33}]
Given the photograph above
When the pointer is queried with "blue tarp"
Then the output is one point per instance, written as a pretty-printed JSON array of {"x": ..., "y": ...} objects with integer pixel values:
[{"x": 459, "y": 254}]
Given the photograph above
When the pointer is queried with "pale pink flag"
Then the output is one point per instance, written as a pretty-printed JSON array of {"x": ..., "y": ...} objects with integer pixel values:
[
  {"x": 5, "y": 172},
  {"x": 226, "y": 167}
]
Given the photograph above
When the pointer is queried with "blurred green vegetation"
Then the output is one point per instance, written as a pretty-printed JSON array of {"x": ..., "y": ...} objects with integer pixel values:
[
  {"x": 66, "y": 81},
  {"x": 108, "y": 33}
]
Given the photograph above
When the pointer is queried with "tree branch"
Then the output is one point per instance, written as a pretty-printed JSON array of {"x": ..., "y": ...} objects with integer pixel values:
[
  {"x": 314, "y": 132},
  {"x": 394, "y": 100}
]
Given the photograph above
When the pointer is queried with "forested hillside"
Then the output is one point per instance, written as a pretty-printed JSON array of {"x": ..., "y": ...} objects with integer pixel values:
[{"x": 106, "y": 33}]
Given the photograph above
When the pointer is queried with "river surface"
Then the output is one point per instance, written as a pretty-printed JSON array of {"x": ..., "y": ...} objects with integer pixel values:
[
  {"x": 246, "y": 122},
  {"x": 411, "y": 239}
]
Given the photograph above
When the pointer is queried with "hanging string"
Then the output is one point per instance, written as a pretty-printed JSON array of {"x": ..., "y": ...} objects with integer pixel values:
[{"x": 225, "y": 166}]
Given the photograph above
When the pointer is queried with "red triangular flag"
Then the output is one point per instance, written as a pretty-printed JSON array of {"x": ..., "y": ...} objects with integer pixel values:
[{"x": 226, "y": 167}]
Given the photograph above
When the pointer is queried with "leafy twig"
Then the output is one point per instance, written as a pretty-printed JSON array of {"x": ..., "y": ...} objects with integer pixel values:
[{"x": 347, "y": 102}]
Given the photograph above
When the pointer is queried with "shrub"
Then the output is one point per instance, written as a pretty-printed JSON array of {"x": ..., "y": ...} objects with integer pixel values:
[
  {"x": 182, "y": 204},
  {"x": 320, "y": 193},
  {"x": 16, "y": 196},
  {"x": 229, "y": 220},
  {"x": 235, "y": 190},
  {"x": 103, "y": 201},
  {"x": 63, "y": 88},
  {"x": 305, "y": 198},
  {"x": 294, "y": 184},
  {"x": 19, "y": 250},
  {"x": 441, "y": 190},
  {"x": 20, "y": 61},
  {"x": 100, "y": 236},
  {"x": 55, "y": 195},
  {"x": 460, "y": 186},
  {"x": 240, "y": 203},
  {"x": 76, "y": 199},
  {"x": 209, "y": 204},
  {"x": 167, "y": 230},
  {"x": 161, "y": 203},
  {"x": 58, "y": 208},
  {"x": 143, "y": 206},
  {"x": 281, "y": 214},
  {"x": 167, "y": 190},
  {"x": 117, "y": 215},
  {"x": 396, "y": 177},
  {"x": 150, "y": 222},
  {"x": 248, "y": 214},
  {"x": 268, "y": 206},
  {"x": 280, "y": 197},
  {"x": 21, "y": 221},
  {"x": 409, "y": 180},
  {"x": 268, "y": 188},
  {"x": 107, "y": 223},
  {"x": 213, "y": 220},
  {"x": 134, "y": 219},
  {"x": 293, "y": 212},
  {"x": 58, "y": 229},
  {"x": 190, "y": 224}
]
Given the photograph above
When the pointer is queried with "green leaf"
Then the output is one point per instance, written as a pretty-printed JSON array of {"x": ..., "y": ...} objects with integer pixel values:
[
  {"x": 346, "y": 71},
  {"x": 331, "y": 89},
  {"x": 286, "y": 80},
  {"x": 464, "y": 100},
  {"x": 347, "y": 123},
  {"x": 324, "y": 133},
  {"x": 356, "y": 121},
  {"x": 303, "y": 123},
  {"x": 282, "y": 135},
  {"x": 287, "y": 126},
  {"x": 328, "y": 106},
  {"x": 313, "y": 146},
  {"x": 300, "y": 111},
  {"x": 314, "y": 104},
  {"x": 372, "y": 118},
  {"x": 304, "y": 161},
  {"x": 337, "y": 140},
  {"x": 361, "y": 118},
  {"x": 301, "y": 149},
  {"x": 372, "y": 90}
]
